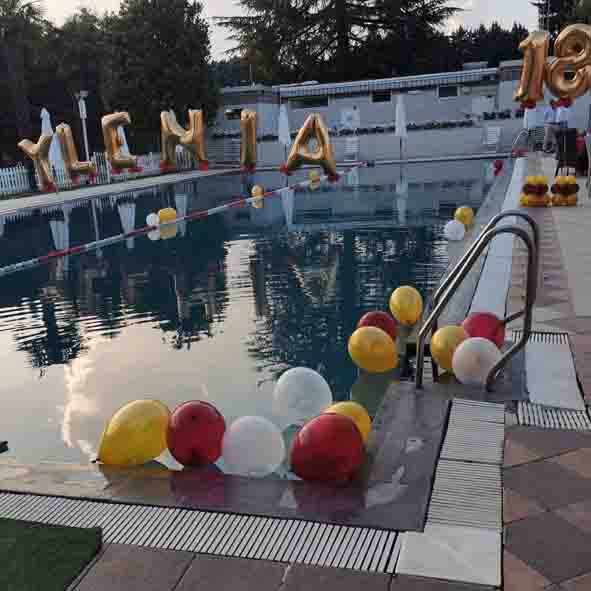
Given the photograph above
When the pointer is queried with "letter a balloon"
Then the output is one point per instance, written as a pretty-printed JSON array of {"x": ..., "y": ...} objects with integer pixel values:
[{"x": 135, "y": 435}]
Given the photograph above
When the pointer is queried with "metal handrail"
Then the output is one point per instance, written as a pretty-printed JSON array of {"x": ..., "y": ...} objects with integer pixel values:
[
  {"x": 522, "y": 132},
  {"x": 459, "y": 273},
  {"x": 445, "y": 282}
]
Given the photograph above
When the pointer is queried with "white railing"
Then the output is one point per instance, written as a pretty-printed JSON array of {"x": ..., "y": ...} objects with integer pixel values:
[{"x": 14, "y": 180}]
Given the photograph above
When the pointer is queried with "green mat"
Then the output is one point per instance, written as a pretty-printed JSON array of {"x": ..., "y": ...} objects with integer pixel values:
[{"x": 39, "y": 557}]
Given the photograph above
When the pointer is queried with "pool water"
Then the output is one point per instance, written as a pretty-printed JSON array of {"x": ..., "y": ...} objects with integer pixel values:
[{"x": 217, "y": 312}]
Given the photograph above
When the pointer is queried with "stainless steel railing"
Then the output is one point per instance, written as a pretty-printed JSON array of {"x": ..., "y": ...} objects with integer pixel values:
[{"x": 449, "y": 286}]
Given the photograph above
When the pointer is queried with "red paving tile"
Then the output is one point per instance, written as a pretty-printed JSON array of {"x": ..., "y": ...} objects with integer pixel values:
[
  {"x": 516, "y": 506},
  {"x": 516, "y": 454},
  {"x": 582, "y": 583},
  {"x": 579, "y": 461},
  {"x": 579, "y": 514},
  {"x": 518, "y": 576}
]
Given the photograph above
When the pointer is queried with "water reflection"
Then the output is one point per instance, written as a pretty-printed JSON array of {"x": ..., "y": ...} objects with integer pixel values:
[{"x": 217, "y": 312}]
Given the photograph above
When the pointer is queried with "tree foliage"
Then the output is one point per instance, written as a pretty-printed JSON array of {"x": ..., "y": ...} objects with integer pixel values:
[{"x": 554, "y": 15}]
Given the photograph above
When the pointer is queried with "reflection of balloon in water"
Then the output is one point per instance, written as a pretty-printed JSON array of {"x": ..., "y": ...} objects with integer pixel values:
[
  {"x": 379, "y": 320},
  {"x": 406, "y": 304},
  {"x": 152, "y": 219},
  {"x": 252, "y": 446},
  {"x": 465, "y": 215},
  {"x": 329, "y": 448},
  {"x": 136, "y": 434},
  {"x": 454, "y": 230},
  {"x": 167, "y": 215},
  {"x": 356, "y": 413},
  {"x": 444, "y": 343},
  {"x": 195, "y": 433},
  {"x": 474, "y": 359},
  {"x": 370, "y": 388},
  {"x": 485, "y": 325},
  {"x": 373, "y": 350},
  {"x": 300, "y": 393},
  {"x": 199, "y": 487},
  {"x": 167, "y": 232}
]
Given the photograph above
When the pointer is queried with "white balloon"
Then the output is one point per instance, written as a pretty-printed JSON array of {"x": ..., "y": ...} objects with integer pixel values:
[
  {"x": 152, "y": 219},
  {"x": 252, "y": 446},
  {"x": 154, "y": 235},
  {"x": 473, "y": 360},
  {"x": 300, "y": 394},
  {"x": 454, "y": 230}
]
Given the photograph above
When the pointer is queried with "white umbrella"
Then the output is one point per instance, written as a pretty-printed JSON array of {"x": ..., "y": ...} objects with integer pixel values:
[
  {"x": 123, "y": 138},
  {"x": 127, "y": 215},
  {"x": 287, "y": 202},
  {"x": 181, "y": 201},
  {"x": 530, "y": 119},
  {"x": 401, "y": 131},
  {"x": 60, "y": 232},
  {"x": 283, "y": 131},
  {"x": 401, "y": 199},
  {"x": 55, "y": 151}
]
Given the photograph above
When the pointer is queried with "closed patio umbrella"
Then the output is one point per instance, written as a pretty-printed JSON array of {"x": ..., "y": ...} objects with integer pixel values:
[
  {"x": 401, "y": 130},
  {"x": 55, "y": 151}
]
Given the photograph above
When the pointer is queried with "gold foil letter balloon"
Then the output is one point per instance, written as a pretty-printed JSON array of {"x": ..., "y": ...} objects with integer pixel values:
[
  {"x": 39, "y": 154},
  {"x": 170, "y": 132},
  {"x": 573, "y": 52},
  {"x": 248, "y": 145},
  {"x": 322, "y": 155},
  {"x": 70, "y": 155},
  {"x": 192, "y": 140},
  {"x": 113, "y": 143},
  {"x": 535, "y": 50}
]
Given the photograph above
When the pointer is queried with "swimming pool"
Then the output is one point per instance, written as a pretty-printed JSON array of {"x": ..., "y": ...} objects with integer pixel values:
[{"x": 219, "y": 311}]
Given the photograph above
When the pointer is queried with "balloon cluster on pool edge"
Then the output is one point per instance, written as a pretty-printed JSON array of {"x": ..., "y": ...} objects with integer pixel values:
[{"x": 456, "y": 229}]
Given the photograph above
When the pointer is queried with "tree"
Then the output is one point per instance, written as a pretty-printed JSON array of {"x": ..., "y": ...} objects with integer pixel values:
[
  {"x": 303, "y": 39},
  {"x": 157, "y": 57},
  {"x": 554, "y": 15}
]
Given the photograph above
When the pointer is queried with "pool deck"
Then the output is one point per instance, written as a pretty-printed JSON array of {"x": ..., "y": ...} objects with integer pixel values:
[{"x": 546, "y": 472}]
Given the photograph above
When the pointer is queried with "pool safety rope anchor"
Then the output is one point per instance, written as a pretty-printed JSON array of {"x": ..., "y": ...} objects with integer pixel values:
[{"x": 196, "y": 215}]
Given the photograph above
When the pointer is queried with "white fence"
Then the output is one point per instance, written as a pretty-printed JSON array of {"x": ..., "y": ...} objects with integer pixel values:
[{"x": 15, "y": 180}]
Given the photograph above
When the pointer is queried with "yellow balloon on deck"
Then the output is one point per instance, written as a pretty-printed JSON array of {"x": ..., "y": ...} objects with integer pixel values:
[
  {"x": 444, "y": 344},
  {"x": 135, "y": 435},
  {"x": 357, "y": 413},
  {"x": 465, "y": 215},
  {"x": 373, "y": 350},
  {"x": 167, "y": 215},
  {"x": 406, "y": 305}
]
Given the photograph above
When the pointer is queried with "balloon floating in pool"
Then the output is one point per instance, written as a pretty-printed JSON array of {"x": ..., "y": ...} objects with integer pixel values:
[
  {"x": 485, "y": 325},
  {"x": 406, "y": 304},
  {"x": 195, "y": 433},
  {"x": 473, "y": 360},
  {"x": 329, "y": 448},
  {"x": 454, "y": 231},
  {"x": 444, "y": 344},
  {"x": 252, "y": 446},
  {"x": 356, "y": 413},
  {"x": 300, "y": 394},
  {"x": 135, "y": 434},
  {"x": 373, "y": 350},
  {"x": 168, "y": 214},
  {"x": 380, "y": 320}
]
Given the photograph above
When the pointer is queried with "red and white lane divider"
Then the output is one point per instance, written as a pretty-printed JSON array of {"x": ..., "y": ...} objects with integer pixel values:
[{"x": 196, "y": 215}]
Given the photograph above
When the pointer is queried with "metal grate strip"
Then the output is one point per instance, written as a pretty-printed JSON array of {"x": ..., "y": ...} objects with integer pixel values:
[
  {"x": 550, "y": 338},
  {"x": 222, "y": 534},
  {"x": 536, "y": 415}
]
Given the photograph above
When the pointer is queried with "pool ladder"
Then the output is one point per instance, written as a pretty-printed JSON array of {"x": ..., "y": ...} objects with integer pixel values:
[{"x": 449, "y": 285}]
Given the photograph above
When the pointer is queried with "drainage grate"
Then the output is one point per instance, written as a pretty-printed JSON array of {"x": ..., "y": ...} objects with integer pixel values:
[
  {"x": 536, "y": 415},
  {"x": 466, "y": 494},
  {"x": 222, "y": 534},
  {"x": 551, "y": 338}
]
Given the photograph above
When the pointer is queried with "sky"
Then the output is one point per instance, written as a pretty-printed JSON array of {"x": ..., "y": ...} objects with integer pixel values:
[{"x": 475, "y": 12}]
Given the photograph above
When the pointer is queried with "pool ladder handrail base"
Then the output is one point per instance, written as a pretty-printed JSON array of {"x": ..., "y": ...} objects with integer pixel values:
[{"x": 449, "y": 285}]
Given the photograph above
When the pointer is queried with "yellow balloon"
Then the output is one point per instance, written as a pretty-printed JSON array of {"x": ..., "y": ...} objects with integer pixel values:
[
  {"x": 167, "y": 215},
  {"x": 465, "y": 215},
  {"x": 406, "y": 305},
  {"x": 357, "y": 413},
  {"x": 135, "y": 435},
  {"x": 373, "y": 350},
  {"x": 167, "y": 232},
  {"x": 444, "y": 344},
  {"x": 571, "y": 180}
]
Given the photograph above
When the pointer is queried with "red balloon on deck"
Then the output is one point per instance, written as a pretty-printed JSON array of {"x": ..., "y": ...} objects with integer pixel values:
[
  {"x": 195, "y": 433},
  {"x": 380, "y": 320},
  {"x": 328, "y": 448},
  {"x": 485, "y": 325}
]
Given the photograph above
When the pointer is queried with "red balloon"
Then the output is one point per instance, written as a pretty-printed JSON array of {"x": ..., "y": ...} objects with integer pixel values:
[
  {"x": 485, "y": 325},
  {"x": 379, "y": 320},
  {"x": 328, "y": 448},
  {"x": 195, "y": 433}
]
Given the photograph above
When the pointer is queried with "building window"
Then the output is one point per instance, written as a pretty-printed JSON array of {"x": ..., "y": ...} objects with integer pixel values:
[
  {"x": 381, "y": 96},
  {"x": 309, "y": 102},
  {"x": 446, "y": 92},
  {"x": 233, "y": 114}
]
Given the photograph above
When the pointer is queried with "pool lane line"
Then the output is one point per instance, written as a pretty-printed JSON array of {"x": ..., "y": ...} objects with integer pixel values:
[{"x": 196, "y": 215}]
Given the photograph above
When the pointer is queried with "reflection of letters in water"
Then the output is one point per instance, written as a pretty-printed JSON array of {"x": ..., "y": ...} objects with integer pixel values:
[{"x": 350, "y": 118}]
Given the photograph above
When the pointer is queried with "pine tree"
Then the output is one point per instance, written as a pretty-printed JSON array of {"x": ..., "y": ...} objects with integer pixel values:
[{"x": 554, "y": 15}]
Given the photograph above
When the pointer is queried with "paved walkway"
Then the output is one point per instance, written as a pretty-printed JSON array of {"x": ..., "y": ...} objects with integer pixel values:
[{"x": 547, "y": 472}]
